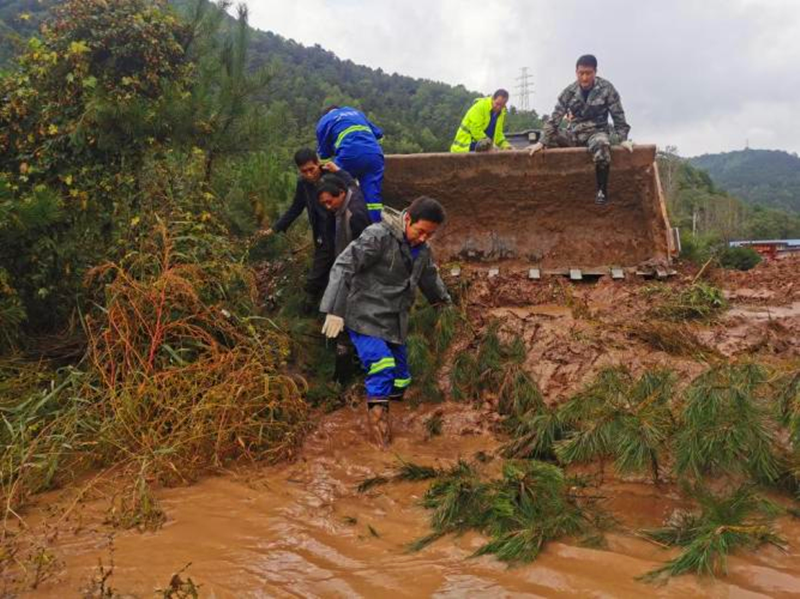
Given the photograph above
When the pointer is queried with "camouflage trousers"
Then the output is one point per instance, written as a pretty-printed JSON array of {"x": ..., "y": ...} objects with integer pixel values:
[{"x": 598, "y": 144}]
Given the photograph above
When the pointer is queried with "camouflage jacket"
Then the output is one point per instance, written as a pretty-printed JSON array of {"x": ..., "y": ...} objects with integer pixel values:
[{"x": 591, "y": 116}]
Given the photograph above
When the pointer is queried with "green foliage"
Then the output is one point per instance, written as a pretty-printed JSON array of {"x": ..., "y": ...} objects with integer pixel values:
[
  {"x": 411, "y": 471},
  {"x": 708, "y": 217},
  {"x": 725, "y": 426},
  {"x": 433, "y": 425},
  {"x": 619, "y": 418},
  {"x": 698, "y": 301},
  {"x": 788, "y": 403},
  {"x": 674, "y": 338},
  {"x": 459, "y": 501},
  {"x": 77, "y": 117},
  {"x": 12, "y": 313},
  {"x": 519, "y": 395},
  {"x": 767, "y": 177},
  {"x": 405, "y": 471},
  {"x": 726, "y": 523},
  {"x": 41, "y": 411},
  {"x": 495, "y": 368},
  {"x": 465, "y": 377},
  {"x": 433, "y": 329},
  {"x": 534, "y": 435},
  {"x": 531, "y": 504},
  {"x": 739, "y": 258}
]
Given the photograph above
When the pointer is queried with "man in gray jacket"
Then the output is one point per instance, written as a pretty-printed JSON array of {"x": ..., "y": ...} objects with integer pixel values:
[{"x": 371, "y": 290}]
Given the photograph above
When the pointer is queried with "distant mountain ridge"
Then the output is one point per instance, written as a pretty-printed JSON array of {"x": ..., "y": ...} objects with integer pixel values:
[{"x": 764, "y": 177}]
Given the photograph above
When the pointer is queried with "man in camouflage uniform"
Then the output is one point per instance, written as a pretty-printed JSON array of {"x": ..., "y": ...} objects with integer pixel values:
[{"x": 585, "y": 106}]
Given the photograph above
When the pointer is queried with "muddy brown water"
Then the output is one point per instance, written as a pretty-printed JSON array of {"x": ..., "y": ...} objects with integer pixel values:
[{"x": 302, "y": 530}]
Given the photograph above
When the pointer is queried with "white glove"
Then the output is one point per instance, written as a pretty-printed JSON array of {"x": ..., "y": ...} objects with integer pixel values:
[
  {"x": 333, "y": 326},
  {"x": 535, "y": 148},
  {"x": 628, "y": 145},
  {"x": 263, "y": 233}
]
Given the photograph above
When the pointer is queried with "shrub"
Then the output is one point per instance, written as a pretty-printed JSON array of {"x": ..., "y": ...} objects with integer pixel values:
[{"x": 739, "y": 258}]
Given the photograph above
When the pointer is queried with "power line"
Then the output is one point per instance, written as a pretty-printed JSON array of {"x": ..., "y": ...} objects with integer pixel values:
[{"x": 524, "y": 88}]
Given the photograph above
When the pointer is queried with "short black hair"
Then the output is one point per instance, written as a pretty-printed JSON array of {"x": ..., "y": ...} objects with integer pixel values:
[
  {"x": 425, "y": 208},
  {"x": 331, "y": 183},
  {"x": 304, "y": 156},
  {"x": 327, "y": 109},
  {"x": 500, "y": 92},
  {"x": 587, "y": 60}
]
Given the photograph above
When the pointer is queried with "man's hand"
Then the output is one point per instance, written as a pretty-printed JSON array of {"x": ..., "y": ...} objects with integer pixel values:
[
  {"x": 333, "y": 326},
  {"x": 484, "y": 145},
  {"x": 331, "y": 167},
  {"x": 628, "y": 145},
  {"x": 535, "y": 148},
  {"x": 264, "y": 233}
]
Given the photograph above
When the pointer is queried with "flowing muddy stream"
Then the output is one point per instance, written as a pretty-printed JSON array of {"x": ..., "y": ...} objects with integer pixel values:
[{"x": 303, "y": 530}]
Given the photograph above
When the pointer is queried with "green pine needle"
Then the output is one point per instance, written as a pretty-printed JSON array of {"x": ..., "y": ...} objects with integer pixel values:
[{"x": 739, "y": 520}]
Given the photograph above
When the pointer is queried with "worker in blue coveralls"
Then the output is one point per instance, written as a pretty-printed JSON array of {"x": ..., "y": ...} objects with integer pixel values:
[
  {"x": 351, "y": 140},
  {"x": 371, "y": 290}
]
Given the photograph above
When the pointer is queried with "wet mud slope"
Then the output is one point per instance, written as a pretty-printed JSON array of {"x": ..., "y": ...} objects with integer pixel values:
[
  {"x": 538, "y": 210},
  {"x": 303, "y": 529}
]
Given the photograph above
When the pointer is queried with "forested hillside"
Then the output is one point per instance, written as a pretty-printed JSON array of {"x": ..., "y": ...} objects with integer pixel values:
[
  {"x": 766, "y": 177},
  {"x": 708, "y": 214},
  {"x": 417, "y": 115}
]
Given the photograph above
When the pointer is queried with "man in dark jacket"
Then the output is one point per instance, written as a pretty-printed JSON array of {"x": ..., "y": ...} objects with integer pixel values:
[
  {"x": 371, "y": 290},
  {"x": 341, "y": 196},
  {"x": 322, "y": 225}
]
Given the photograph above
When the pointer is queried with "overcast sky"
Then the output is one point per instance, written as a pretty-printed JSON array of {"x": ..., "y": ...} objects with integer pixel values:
[{"x": 702, "y": 75}]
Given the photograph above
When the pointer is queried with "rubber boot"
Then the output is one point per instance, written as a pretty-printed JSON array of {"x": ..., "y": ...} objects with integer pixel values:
[
  {"x": 378, "y": 421},
  {"x": 601, "y": 172}
]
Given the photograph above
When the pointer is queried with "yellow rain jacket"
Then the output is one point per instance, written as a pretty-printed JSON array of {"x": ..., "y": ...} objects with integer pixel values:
[{"x": 474, "y": 125}]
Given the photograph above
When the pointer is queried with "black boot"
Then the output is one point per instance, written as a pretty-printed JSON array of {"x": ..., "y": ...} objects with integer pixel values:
[{"x": 601, "y": 172}]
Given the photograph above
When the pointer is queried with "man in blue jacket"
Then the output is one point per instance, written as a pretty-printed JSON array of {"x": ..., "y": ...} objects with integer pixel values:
[{"x": 351, "y": 140}]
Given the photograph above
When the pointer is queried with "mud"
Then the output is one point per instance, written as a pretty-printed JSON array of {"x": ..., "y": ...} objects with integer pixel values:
[
  {"x": 510, "y": 206},
  {"x": 302, "y": 529},
  {"x": 572, "y": 331}
]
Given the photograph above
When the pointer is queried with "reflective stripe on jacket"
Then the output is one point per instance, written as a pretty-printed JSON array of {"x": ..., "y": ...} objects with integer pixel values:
[
  {"x": 473, "y": 127},
  {"x": 347, "y": 130}
]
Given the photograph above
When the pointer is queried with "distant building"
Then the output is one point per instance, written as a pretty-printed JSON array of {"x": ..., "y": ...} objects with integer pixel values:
[{"x": 771, "y": 248}]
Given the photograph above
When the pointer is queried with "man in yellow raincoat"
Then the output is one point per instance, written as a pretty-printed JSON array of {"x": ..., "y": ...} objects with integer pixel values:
[{"x": 482, "y": 126}]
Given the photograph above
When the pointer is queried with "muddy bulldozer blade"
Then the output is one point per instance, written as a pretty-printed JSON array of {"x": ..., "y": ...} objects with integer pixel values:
[{"x": 539, "y": 211}]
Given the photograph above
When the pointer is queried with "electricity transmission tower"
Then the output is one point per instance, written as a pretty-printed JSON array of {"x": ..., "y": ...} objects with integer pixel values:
[{"x": 524, "y": 89}]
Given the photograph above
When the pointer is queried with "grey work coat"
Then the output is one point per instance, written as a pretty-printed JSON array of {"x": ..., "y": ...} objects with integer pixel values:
[{"x": 373, "y": 281}]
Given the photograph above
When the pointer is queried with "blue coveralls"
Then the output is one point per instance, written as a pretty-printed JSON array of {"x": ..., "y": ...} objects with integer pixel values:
[
  {"x": 489, "y": 129},
  {"x": 347, "y": 136},
  {"x": 386, "y": 364}
]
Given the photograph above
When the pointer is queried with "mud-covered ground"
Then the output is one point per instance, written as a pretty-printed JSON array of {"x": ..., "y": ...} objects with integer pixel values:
[{"x": 302, "y": 529}]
